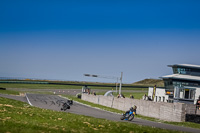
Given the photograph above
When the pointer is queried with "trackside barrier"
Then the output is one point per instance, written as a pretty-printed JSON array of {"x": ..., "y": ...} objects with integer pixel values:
[{"x": 160, "y": 110}]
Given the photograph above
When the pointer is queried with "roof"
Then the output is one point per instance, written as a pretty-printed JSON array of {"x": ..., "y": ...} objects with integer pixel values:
[
  {"x": 181, "y": 76},
  {"x": 185, "y": 65}
]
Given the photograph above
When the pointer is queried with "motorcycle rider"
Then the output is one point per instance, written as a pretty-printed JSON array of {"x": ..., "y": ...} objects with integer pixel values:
[
  {"x": 65, "y": 106},
  {"x": 132, "y": 109}
]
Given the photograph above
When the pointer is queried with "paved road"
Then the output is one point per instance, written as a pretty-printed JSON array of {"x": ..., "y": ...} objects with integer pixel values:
[
  {"x": 54, "y": 102},
  {"x": 14, "y": 97}
]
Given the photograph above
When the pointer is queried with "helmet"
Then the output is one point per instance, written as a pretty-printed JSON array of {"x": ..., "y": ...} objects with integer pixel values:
[{"x": 131, "y": 108}]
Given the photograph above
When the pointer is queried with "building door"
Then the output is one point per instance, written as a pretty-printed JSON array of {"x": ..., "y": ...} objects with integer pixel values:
[{"x": 187, "y": 93}]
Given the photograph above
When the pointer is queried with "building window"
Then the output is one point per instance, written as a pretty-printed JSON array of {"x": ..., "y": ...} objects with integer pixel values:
[
  {"x": 175, "y": 70},
  {"x": 179, "y": 70},
  {"x": 182, "y": 70},
  {"x": 192, "y": 94}
]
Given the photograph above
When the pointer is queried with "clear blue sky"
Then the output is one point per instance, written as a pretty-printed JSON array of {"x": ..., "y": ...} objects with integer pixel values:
[{"x": 62, "y": 39}]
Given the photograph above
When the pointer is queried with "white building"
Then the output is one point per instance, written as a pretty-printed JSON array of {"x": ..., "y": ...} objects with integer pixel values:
[{"x": 182, "y": 86}]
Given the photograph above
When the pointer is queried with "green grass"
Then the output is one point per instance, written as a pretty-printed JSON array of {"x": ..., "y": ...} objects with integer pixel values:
[
  {"x": 13, "y": 92},
  {"x": 9, "y": 92},
  {"x": 16, "y": 116},
  {"x": 150, "y": 82},
  {"x": 39, "y": 86},
  {"x": 52, "y": 86},
  {"x": 144, "y": 84},
  {"x": 184, "y": 124},
  {"x": 137, "y": 95},
  {"x": 46, "y": 86}
]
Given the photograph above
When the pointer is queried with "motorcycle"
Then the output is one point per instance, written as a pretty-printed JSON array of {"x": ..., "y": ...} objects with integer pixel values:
[
  {"x": 128, "y": 116},
  {"x": 70, "y": 102},
  {"x": 66, "y": 105}
]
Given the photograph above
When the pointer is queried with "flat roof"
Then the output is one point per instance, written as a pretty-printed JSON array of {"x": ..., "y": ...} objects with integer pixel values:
[
  {"x": 181, "y": 76},
  {"x": 185, "y": 65}
]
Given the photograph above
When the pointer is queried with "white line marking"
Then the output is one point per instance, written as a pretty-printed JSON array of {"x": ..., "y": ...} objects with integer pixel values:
[{"x": 28, "y": 100}]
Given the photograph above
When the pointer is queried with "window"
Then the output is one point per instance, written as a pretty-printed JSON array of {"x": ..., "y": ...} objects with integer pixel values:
[
  {"x": 175, "y": 70},
  {"x": 182, "y": 70},
  {"x": 192, "y": 94},
  {"x": 179, "y": 70}
]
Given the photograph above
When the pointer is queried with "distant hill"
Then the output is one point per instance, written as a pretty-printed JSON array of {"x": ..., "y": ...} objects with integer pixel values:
[{"x": 150, "y": 82}]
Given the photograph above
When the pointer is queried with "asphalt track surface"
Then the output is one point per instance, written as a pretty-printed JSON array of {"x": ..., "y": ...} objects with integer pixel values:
[{"x": 54, "y": 102}]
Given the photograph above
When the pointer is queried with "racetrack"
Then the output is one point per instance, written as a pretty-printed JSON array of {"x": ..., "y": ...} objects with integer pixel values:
[{"x": 54, "y": 102}]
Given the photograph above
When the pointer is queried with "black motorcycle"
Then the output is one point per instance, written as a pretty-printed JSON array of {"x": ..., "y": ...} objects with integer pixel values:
[
  {"x": 66, "y": 105},
  {"x": 70, "y": 102}
]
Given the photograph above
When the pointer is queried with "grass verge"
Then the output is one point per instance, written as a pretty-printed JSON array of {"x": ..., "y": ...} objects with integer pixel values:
[
  {"x": 16, "y": 116},
  {"x": 9, "y": 92}
]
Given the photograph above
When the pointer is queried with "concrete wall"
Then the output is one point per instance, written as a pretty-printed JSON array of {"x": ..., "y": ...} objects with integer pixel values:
[
  {"x": 191, "y": 108},
  {"x": 105, "y": 100},
  {"x": 90, "y": 98},
  {"x": 197, "y": 94},
  {"x": 160, "y": 110}
]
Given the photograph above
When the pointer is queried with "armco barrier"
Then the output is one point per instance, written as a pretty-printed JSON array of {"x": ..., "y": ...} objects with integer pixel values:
[{"x": 160, "y": 110}]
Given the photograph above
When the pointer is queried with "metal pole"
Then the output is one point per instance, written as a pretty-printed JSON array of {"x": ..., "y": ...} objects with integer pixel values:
[
  {"x": 120, "y": 83},
  {"x": 99, "y": 76},
  {"x": 116, "y": 85}
]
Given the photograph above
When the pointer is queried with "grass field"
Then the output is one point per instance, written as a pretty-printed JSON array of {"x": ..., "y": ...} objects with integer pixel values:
[
  {"x": 39, "y": 86},
  {"x": 52, "y": 86},
  {"x": 137, "y": 95},
  {"x": 9, "y": 92},
  {"x": 16, "y": 116}
]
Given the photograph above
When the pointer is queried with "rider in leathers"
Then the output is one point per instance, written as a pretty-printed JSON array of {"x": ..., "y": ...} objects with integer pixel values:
[{"x": 132, "y": 109}]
